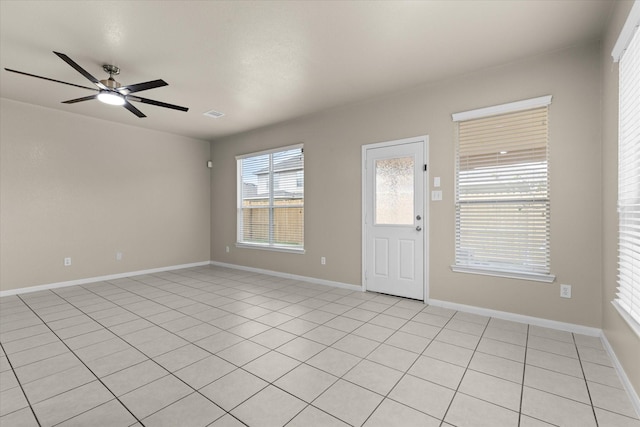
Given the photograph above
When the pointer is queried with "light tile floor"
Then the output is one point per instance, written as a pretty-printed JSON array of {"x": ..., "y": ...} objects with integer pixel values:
[{"x": 221, "y": 347}]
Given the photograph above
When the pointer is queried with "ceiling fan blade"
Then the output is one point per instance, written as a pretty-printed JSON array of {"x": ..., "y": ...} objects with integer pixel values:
[
  {"x": 156, "y": 103},
  {"x": 133, "y": 109},
  {"x": 85, "y": 98},
  {"x": 51, "y": 80},
  {"x": 81, "y": 70},
  {"x": 139, "y": 87}
]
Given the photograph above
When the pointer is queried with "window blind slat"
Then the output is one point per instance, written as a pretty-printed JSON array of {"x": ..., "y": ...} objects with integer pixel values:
[{"x": 502, "y": 192}]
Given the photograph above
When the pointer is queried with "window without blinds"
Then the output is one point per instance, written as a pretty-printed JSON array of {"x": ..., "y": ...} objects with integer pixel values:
[
  {"x": 502, "y": 193},
  {"x": 271, "y": 199},
  {"x": 628, "y": 296}
]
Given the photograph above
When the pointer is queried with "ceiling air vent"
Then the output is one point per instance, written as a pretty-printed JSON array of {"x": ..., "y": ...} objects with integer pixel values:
[{"x": 214, "y": 114}]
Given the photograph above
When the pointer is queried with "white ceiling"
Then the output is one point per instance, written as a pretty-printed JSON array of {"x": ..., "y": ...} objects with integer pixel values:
[{"x": 262, "y": 62}]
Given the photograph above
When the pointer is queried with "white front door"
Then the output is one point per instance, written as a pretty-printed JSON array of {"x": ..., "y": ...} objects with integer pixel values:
[{"x": 395, "y": 217}]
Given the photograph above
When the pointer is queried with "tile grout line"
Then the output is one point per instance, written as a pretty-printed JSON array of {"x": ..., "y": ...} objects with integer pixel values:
[
  {"x": 583, "y": 377},
  {"x": 586, "y": 383},
  {"x": 272, "y": 383},
  {"x": 329, "y": 373},
  {"x": 214, "y": 307},
  {"x": 85, "y": 365},
  {"x": 406, "y": 372},
  {"x": 310, "y": 404},
  {"x": 365, "y": 358},
  {"x": 276, "y": 327},
  {"x": 456, "y": 391},
  {"x": 158, "y": 364},
  {"x": 193, "y": 343},
  {"x": 21, "y": 387},
  {"x": 151, "y": 288},
  {"x": 406, "y": 320},
  {"x": 524, "y": 370},
  {"x": 159, "y": 325}
]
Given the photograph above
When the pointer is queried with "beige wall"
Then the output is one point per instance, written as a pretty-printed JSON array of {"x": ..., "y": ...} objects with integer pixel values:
[
  {"x": 72, "y": 186},
  {"x": 333, "y": 140},
  {"x": 624, "y": 341}
]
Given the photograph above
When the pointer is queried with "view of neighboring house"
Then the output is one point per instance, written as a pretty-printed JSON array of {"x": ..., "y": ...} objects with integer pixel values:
[{"x": 288, "y": 179}]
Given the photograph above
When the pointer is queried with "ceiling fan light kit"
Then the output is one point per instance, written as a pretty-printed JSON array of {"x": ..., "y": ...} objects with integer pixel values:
[
  {"x": 109, "y": 90},
  {"x": 110, "y": 98}
]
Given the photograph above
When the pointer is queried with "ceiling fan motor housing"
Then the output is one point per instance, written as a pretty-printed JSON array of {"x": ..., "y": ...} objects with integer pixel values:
[
  {"x": 113, "y": 71},
  {"x": 110, "y": 83}
]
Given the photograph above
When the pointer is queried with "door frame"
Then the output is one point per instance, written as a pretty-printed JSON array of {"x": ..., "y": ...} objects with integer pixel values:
[{"x": 424, "y": 139}]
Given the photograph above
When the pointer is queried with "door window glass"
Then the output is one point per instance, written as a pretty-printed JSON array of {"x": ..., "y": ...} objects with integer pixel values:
[{"x": 394, "y": 196}]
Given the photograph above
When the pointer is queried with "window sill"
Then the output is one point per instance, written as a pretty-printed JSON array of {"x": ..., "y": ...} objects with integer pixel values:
[
  {"x": 536, "y": 277},
  {"x": 635, "y": 326},
  {"x": 299, "y": 251}
]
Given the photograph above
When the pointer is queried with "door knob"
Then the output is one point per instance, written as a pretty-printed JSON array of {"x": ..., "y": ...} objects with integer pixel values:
[
  {"x": 418, "y": 217},
  {"x": 419, "y": 228}
]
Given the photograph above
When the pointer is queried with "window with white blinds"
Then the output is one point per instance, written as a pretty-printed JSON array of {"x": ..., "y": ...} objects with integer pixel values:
[
  {"x": 628, "y": 296},
  {"x": 271, "y": 199},
  {"x": 502, "y": 191}
]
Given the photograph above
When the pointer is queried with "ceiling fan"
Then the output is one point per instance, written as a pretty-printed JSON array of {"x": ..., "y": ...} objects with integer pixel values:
[{"x": 109, "y": 90}]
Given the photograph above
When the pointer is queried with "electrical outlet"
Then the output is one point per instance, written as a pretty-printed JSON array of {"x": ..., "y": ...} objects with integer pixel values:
[
  {"x": 565, "y": 291},
  {"x": 67, "y": 262},
  {"x": 227, "y": 249},
  {"x": 118, "y": 256},
  {"x": 323, "y": 260}
]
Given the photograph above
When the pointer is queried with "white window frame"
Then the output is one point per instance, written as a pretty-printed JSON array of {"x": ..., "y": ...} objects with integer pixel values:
[
  {"x": 239, "y": 222},
  {"x": 627, "y": 300},
  {"x": 512, "y": 107}
]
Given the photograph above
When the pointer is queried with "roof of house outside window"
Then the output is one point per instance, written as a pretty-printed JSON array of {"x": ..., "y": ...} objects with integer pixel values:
[{"x": 291, "y": 164}]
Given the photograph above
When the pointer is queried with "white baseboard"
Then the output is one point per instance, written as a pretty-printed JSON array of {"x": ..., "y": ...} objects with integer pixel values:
[
  {"x": 98, "y": 279},
  {"x": 290, "y": 276},
  {"x": 631, "y": 392},
  {"x": 520, "y": 318}
]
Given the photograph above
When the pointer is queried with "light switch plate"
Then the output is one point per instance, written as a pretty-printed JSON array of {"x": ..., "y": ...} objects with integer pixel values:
[
  {"x": 436, "y": 195},
  {"x": 436, "y": 181}
]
